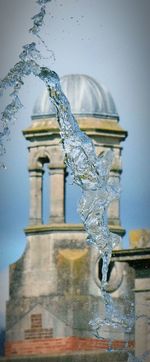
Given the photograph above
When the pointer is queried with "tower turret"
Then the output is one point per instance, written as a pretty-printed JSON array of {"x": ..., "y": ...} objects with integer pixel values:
[{"x": 52, "y": 291}]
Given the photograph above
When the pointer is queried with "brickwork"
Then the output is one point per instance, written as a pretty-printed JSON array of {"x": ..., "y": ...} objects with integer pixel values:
[
  {"x": 36, "y": 331},
  {"x": 36, "y": 321},
  {"x": 40, "y": 333},
  {"x": 61, "y": 345}
]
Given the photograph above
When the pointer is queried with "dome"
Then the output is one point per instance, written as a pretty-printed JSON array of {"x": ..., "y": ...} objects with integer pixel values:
[{"x": 86, "y": 97}]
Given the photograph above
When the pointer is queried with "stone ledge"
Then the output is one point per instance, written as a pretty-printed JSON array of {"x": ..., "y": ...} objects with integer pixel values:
[
  {"x": 131, "y": 254},
  {"x": 33, "y": 229},
  {"x": 138, "y": 258},
  {"x": 91, "y": 125}
]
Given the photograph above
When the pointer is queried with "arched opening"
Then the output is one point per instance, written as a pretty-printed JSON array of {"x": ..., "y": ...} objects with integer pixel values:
[
  {"x": 72, "y": 197},
  {"x": 45, "y": 190},
  {"x": 111, "y": 266},
  {"x": 114, "y": 276},
  {"x": 46, "y": 195}
]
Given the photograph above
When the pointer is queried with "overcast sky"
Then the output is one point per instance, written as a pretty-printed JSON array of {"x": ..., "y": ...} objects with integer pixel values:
[{"x": 108, "y": 40}]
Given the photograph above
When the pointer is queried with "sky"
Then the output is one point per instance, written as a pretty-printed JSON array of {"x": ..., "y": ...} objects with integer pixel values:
[{"x": 109, "y": 41}]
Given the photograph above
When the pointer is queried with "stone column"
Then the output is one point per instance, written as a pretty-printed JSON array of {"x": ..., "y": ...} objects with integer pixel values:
[
  {"x": 35, "y": 211},
  {"x": 57, "y": 195}
]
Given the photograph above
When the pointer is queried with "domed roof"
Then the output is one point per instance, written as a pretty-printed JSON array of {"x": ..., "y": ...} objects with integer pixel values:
[{"x": 86, "y": 97}]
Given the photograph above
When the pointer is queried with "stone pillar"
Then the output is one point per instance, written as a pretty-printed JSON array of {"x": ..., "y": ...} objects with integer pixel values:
[
  {"x": 142, "y": 312},
  {"x": 140, "y": 239},
  {"x": 57, "y": 195},
  {"x": 35, "y": 211}
]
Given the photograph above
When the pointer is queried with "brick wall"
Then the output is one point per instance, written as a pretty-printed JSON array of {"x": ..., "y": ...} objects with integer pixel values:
[
  {"x": 36, "y": 331},
  {"x": 61, "y": 345}
]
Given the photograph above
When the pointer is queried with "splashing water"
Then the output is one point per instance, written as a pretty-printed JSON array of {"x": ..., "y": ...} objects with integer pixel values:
[
  {"x": 15, "y": 78},
  {"x": 90, "y": 172},
  {"x": 38, "y": 19}
]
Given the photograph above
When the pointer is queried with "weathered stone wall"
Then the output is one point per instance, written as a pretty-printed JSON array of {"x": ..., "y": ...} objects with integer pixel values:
[{"x": 96, "y": 356}]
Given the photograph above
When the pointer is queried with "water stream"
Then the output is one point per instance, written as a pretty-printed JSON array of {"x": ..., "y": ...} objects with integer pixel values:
[{"x": 90, "y": 172}]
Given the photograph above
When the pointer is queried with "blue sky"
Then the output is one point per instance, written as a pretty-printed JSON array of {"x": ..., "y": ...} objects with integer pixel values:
[{"x": 108, "y": 40}]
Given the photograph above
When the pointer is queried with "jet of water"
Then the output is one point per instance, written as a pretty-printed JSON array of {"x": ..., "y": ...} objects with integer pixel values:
[
  {"x": 90, "y": 172},
  {"x": 15, "y": 77}
]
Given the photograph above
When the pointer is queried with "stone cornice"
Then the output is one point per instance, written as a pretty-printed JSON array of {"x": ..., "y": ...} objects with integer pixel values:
[
  {"x": 138, "y": 258},
  {"x": 91, "y": 125},
  {"x": 131, "y": 254},
  {"x": 44, "y": 228}
]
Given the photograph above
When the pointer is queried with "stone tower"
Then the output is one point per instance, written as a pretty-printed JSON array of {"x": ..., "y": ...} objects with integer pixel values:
[{"x": 53, "y": 294}]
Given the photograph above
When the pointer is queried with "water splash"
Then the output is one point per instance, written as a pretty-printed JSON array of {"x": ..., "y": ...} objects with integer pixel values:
[
  {"x": 90, "y": 172},
  {"x": 114, "y": 317},
  {"x": 15, "y": 80},
  {"x": 38, "y": 21},
  {"x": 28, "y": 63}
]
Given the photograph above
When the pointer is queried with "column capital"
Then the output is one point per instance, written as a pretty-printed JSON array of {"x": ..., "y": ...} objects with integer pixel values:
[
  {"x": 60, "y": 166},
  {"x": 38, "y": 172},
  {"x": 54, "y": 171}
]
